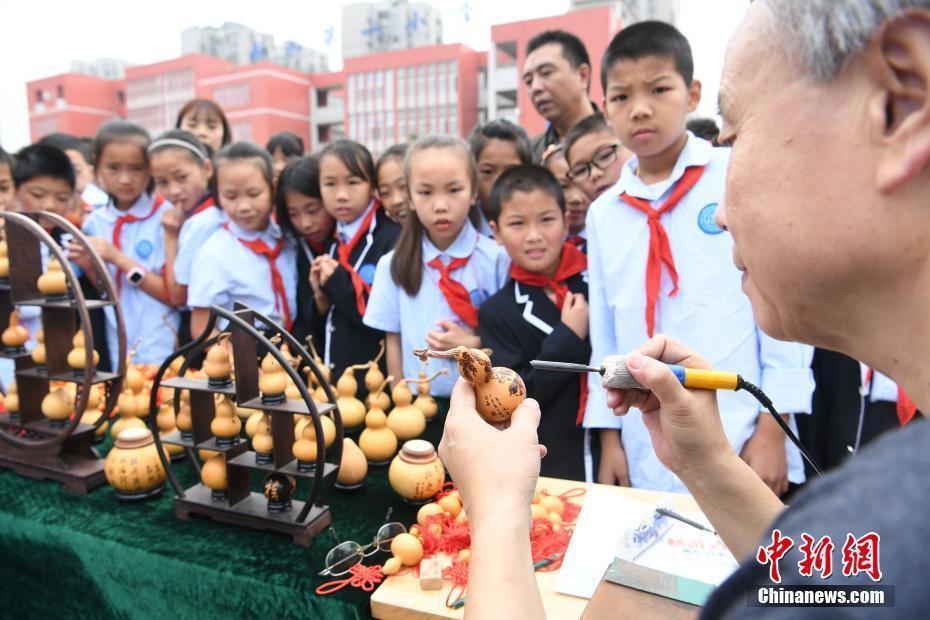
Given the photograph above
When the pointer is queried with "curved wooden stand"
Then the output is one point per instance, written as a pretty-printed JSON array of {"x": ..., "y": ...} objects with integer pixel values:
[
  {"x": 242, "y": 506},
  {"x": 30, "y": 446}
]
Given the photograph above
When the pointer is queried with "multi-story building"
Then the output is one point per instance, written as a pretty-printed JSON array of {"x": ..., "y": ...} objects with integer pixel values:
[
  {"x": 378, "y": 99},
  {"x": 73, "y": 103},
  {"x": 632, "y": 11},
  {"x": 375, "y": 27},
  {"x": 241, "y": 45},
  {"x": 396, "y": 96},
  {"x": 106, "y": 68}
]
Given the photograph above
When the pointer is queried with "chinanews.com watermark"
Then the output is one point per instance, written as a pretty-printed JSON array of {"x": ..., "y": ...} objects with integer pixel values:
[{"x": 859, "y": 556}]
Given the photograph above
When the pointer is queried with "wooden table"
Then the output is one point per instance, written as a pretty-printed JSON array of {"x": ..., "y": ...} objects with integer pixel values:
[{"x": 400, "y": 596}]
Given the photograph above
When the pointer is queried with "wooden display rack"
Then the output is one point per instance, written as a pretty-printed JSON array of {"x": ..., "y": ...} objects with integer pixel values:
[
  {"x": 242, "y": 506},
  {"x": 30, "y": 446}
]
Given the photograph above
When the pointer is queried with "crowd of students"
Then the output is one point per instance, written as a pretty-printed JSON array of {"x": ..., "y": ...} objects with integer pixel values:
[{"x": 581, "y": 243}]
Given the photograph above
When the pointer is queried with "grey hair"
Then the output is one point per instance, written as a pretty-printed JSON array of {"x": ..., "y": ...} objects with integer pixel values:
[
  {"x": 436, "y": 141},
  {"x": 822, "y": 36}
]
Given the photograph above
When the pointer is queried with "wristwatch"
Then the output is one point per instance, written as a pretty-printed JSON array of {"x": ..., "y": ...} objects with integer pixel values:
[{"x": 135, "y": 276}]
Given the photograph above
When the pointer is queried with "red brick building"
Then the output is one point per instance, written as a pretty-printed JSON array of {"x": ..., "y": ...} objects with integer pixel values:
[{"x": 73, "y": 103}]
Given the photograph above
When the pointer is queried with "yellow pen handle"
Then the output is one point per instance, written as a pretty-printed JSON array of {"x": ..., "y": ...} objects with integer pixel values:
[{"x": 710, "y": 379}]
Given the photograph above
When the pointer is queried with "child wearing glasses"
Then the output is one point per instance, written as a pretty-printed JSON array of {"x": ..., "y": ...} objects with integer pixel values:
[{"x": 595, "y": 155}]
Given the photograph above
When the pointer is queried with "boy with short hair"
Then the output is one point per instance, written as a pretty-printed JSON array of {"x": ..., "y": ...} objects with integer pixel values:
[
  {"x": 541, "y": 312},
  {"x": 44, "y": 179},
  {"x": 89, "y": 195},
  {"x": 595, "y": 156},
  {"x": 659, "y": 264}
]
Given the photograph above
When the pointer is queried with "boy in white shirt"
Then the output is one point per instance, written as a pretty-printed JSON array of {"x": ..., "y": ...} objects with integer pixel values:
[{"x": 659, "y": 264}]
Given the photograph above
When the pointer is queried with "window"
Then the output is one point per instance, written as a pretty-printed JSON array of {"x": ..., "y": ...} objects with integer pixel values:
[
  {"x": 322, "y": 98},
  {"x": 121, "y": 96},
  {"x": 61, "y": 91},
  {"x": 242, "y": 131},
  {"x": 235, "y": 96}
]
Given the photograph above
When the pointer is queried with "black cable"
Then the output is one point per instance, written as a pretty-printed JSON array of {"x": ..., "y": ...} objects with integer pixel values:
[{"x": 765, "y": 401}]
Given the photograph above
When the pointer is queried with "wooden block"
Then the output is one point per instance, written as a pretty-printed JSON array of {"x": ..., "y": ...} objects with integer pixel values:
[{"x": 430, "y": 574}]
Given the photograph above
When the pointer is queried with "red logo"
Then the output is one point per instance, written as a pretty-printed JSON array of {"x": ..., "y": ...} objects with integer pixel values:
[
  {"x": 860, "y": 555},
  {"x": 771, "y": 554},
  {"x": 817, "y": 556}
]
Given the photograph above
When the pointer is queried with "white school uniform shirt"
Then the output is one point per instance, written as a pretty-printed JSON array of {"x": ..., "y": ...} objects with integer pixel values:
[
  {"x": 94, "y": 196},
  {"x": 882, "y": 387},
  {"x": 194, "y": 234},
  {"x": 710, "y": 313},
  {"x": 227, "y": 271},
  {"x": 147, "y": 319},
  {"x": 391, "y": 309}
]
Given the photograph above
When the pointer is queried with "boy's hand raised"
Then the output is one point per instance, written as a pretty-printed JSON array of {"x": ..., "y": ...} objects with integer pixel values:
[
  {"x": 684, "y": 425},
  {"x": 575, "y": 314}
]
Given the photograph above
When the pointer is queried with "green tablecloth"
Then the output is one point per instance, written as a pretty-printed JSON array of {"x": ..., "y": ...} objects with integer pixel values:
[{"x": 63, "y": 555}]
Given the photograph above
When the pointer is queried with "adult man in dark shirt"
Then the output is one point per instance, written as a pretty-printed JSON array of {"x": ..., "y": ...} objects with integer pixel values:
[
  {"x": 557, "y": 75},
  {"x": 826, "y": 104}
]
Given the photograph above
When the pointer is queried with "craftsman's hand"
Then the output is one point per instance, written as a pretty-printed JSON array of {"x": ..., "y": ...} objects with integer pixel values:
[
  {"x": 613, "y": 468},
  {"x": 171, "y": 221},
  {"x": 452, "y": 334},
  {"x": 765, "y": 453},
  {"x": 326, "y": 266},
  {"x": 575, "y": 314},
  {"x": 684, "y": 425},
  {"x": 494, "y": 468}
]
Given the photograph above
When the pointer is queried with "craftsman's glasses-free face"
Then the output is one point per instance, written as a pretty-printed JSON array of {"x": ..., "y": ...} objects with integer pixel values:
[
  {"x": 345, "y": 555},
  {"x": 603, "y": 158}
]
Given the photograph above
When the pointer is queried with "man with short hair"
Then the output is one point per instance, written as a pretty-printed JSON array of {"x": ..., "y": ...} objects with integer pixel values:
[
  {"x": 826, "y": 105},
  {"x": 557, "y": 75}
]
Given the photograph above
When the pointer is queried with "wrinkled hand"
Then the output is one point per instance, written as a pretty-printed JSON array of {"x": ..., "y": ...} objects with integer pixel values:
[
  {"x": 575, "y": 314},
  {"x": 765, "y": 453},
  {"x": 684, "y": 424},
  {"x": 452, "y": 334},
  {"x": 491, "y": 465},
  {"x": 613, "y": 468},
  {"x": 326, "y": 266},
  {"x": 172, "y": 220}
]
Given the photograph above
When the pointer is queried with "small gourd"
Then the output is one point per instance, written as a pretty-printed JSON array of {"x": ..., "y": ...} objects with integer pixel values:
[
  {"x": 53, "y": 283},
  {"x": 225, "y": 425},
  {"x": 329, "y": 428},
  {"x": 498, "y": 390},
  {"x": 351, "y": 408},
  {"x": 425, "y": 402},
  {"x": 92, "y": 413},
  {"x": 374, "y": 377},
  {"x": 11, "y": 401},
  {"x": 15, "y": 336},
  {"x": 4, "y": 262},
  {"x": 325, "y": 370},
  {"x": 406, "y": 420},
  {"x": 184, "y": 420},
  {"x": 56, "y": 406},
  {"x": 305, "y": 449},
  {"x": 166, "y": 425},
  {"x": 377, "y": 441},
  {"x": 217, "y": 366},
  {"x": 262, "y": 442},
  {"x": 273, "y": 382},
  {"x": 38, "y": 352},
  {"x": 353, "y": 468},
  {"x": 128, "y": 414},
  {"x": 213, "y": 476},
  {"x": 77, "y": 357},
  {"x": 251, "y": 424}
]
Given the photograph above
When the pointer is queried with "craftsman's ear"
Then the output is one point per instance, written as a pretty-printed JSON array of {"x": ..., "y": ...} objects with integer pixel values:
[{"x": 899, "y": 108}]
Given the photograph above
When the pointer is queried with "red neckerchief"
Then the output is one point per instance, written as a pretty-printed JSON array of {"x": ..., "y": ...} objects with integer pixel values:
[
  {"x": 572, "y": 262},
  {"x": 344, "y": 251},
  {"x": 205, "y": 203},
  {"x": 576, "y": 240},
  {"x": 318, "y": 247},
  {"x": 455, "y": 293},
  {"x": 906, "y": 408},
  {"x": 129, "y": 219},
  {"x": 277, "y": 282},
  {"x": 660, "y": 250}
]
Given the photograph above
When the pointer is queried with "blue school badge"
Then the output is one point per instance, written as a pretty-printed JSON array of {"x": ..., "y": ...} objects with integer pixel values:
[
  {"x": 367, "y": 273},
  {"x": 144, "y": 248},
  {"x": 478, "y": 297},
  {"x": 706, "y": 220}
]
